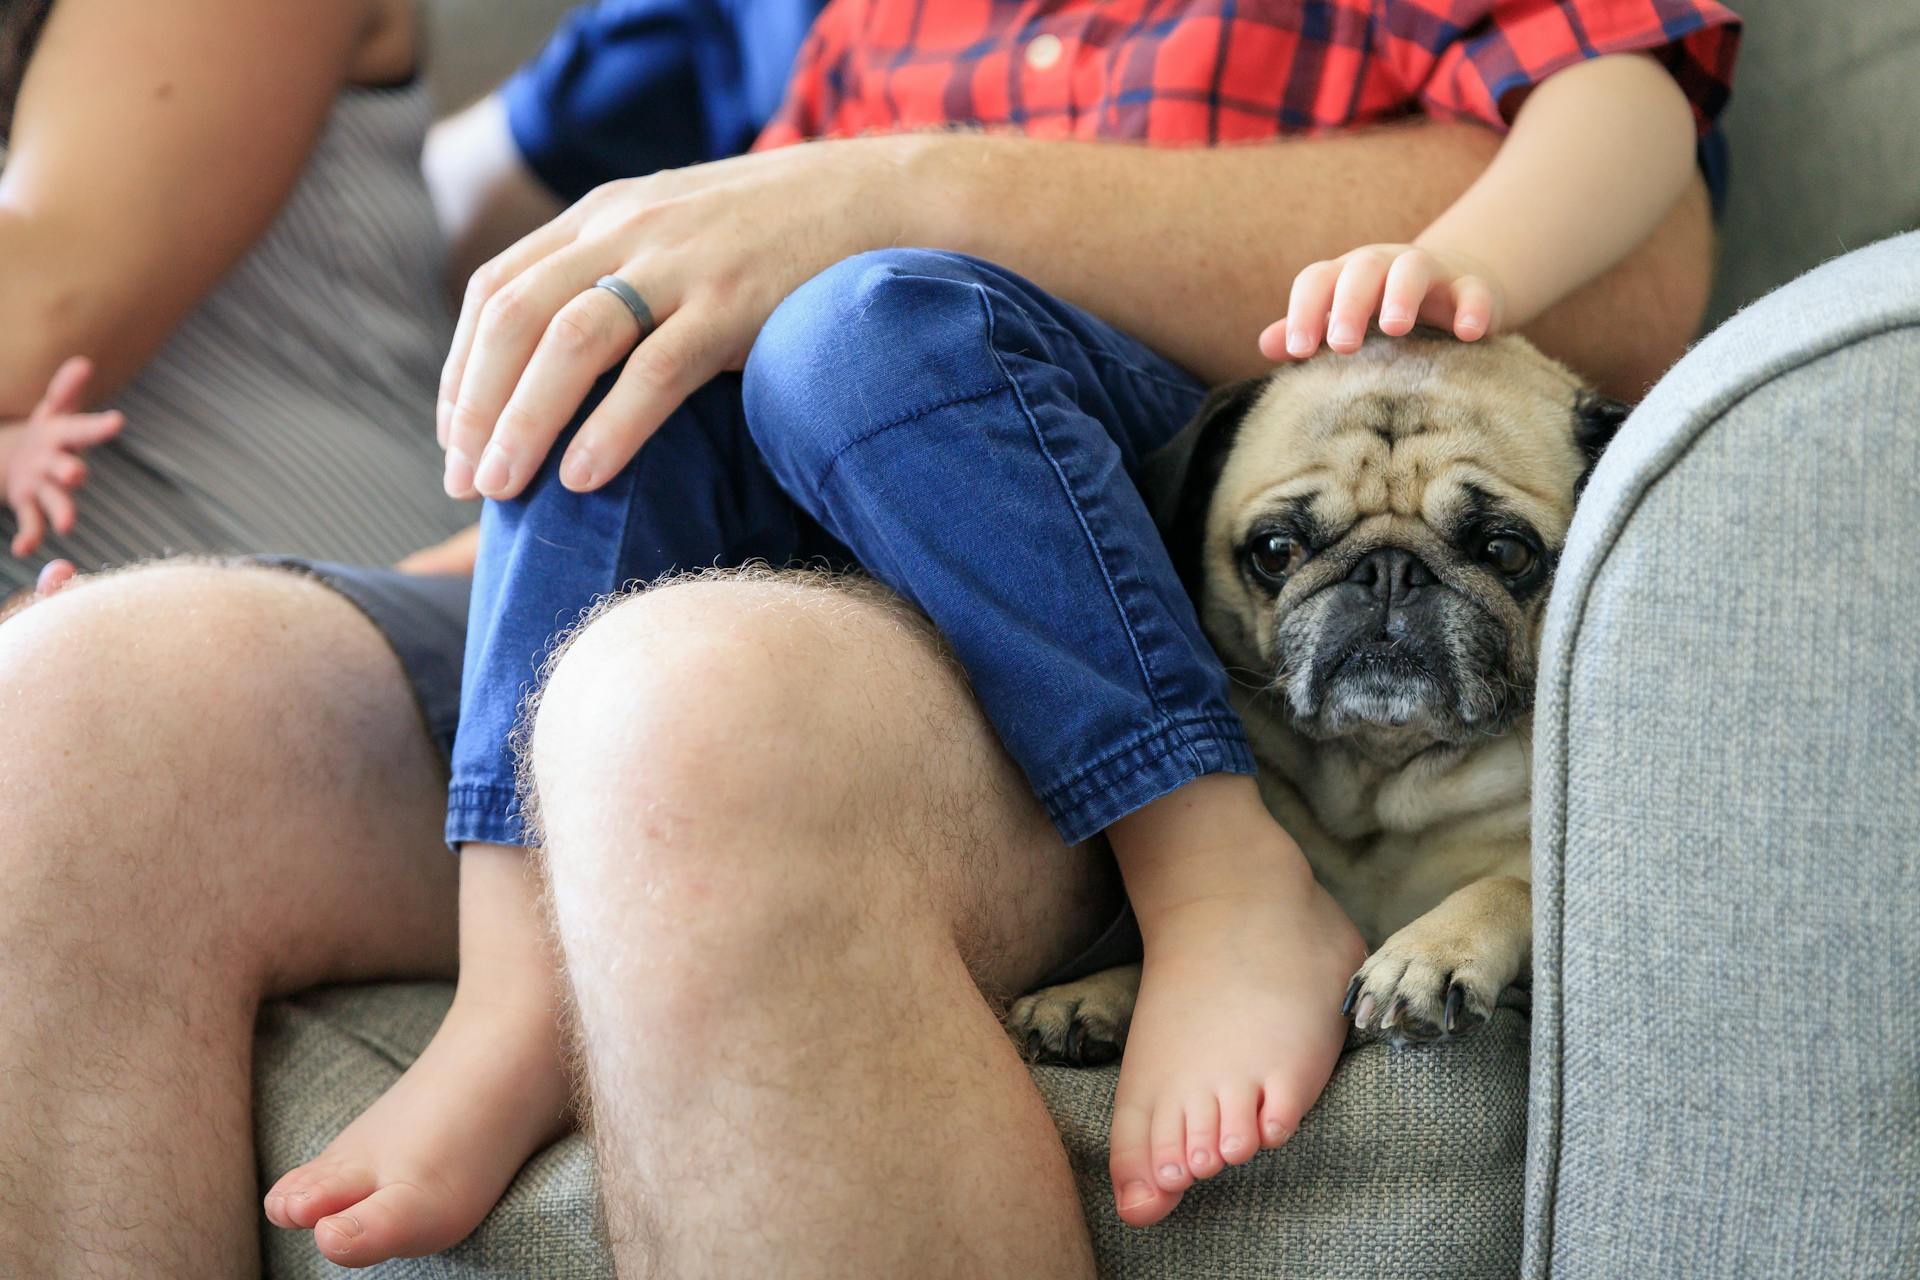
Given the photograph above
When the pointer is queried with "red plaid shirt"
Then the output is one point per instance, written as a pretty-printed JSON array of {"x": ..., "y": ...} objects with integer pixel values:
[{"x": 1211, "y": 71}]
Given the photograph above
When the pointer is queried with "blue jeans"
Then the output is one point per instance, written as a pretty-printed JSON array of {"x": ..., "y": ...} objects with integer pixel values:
[{"x": 959, "y": 435}]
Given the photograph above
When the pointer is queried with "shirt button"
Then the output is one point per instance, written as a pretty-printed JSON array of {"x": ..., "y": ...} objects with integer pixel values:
[{"x": 1043, "y": 52}]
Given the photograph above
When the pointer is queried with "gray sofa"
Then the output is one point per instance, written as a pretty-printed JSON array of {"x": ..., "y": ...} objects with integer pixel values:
[{"x": 1720, "y": 1075}]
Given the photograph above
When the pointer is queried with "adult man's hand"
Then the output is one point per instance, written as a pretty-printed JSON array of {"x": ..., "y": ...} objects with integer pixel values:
[{"x": 712, "y": 249}]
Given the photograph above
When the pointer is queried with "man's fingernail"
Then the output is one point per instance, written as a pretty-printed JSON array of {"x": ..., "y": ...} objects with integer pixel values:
[
  {"x": 459, "y": 477},
  {"x": 1394, "y": 317},
  {"x": 342, "y": 1224},
  {"x": 1135, "y": 1194},
  {"x": 577, "y": 470},
  {"x": 1343, "y": 332},
  {"x": 494, "y": 472},
  {"x": 1297, "y": 343}
]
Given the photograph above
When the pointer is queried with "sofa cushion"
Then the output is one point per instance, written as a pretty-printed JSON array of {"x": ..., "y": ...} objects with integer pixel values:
[
  {"x": 1821, "y": 129},
  {"x": 1410, "y": 1164}
]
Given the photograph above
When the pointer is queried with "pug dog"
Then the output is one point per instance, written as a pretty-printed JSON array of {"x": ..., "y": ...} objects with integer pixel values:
[{"x": 1370, "y": 540}]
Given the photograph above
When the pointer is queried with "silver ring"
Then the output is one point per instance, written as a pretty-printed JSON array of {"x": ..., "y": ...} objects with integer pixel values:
[{"x": 630, "y": 296}]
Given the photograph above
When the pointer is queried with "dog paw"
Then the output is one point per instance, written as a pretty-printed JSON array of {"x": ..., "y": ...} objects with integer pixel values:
[
  {"x": 1421, "y": 987},
  {"x": 1078, "y": 1024}
]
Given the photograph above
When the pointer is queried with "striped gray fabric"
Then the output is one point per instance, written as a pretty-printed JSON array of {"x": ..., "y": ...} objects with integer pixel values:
[{"x": 292, "y": 411}]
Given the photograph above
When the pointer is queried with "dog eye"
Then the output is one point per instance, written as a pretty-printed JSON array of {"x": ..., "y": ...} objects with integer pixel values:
[
  {"x": 1273, "y": 556},
  {"x": 1509, "y": 556}
]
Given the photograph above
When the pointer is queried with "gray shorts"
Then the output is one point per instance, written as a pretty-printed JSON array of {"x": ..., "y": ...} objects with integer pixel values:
[{"x": 425, "y": 622}]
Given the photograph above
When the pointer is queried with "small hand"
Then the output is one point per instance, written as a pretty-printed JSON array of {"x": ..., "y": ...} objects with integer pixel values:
[
  {"x": 1407, "y": 284},
  {"x": 454, "y": 557},
  {"x": 40, "y": 457}
]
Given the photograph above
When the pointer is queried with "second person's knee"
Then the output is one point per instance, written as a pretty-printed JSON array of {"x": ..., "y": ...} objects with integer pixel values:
[{"x": 870, "y": 344}]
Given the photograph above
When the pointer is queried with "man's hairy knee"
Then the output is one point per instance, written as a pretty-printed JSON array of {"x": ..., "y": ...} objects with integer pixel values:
[
  {"x": 118, "y": 650},
  {"x": 749, "y": 665}
]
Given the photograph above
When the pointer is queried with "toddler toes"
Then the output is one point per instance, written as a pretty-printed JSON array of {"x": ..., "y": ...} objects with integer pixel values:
[
  {"x": 1239, "y": 1124},
  {"x": 1203, "y": 1136},
  {"x": 1280, "y": 1112},
  {"x": 1169, "y": 1147},
  {"x": 1139, "y": 1202}
]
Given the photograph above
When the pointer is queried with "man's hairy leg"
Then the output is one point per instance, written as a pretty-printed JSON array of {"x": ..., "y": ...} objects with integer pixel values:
[
  {"x": 787, "y": 855},
  {"x": 218, "y": 789}
]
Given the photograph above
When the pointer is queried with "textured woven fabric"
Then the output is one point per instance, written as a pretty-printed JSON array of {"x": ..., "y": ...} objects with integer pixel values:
[
  {"x": 1727, "y": 791},
  {"x": 1409, "y": 1166},
  {"x": 1821, "y": 131}
]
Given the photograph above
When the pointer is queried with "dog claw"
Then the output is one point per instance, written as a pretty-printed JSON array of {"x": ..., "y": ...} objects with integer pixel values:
[
  {"x": 1450, "y": 1018},
  {"x": 1353, "y": 993},
  {"x": 1395, "y": 1012}
]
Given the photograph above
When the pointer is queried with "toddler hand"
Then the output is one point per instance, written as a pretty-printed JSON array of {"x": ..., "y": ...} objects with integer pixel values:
[
  {"x": 40, "y": 457},
  {"x": 1405, "y": 283}
]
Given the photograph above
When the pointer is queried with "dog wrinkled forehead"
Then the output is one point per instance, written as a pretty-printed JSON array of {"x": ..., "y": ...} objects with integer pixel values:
[{"x": 1409, "y": 430}]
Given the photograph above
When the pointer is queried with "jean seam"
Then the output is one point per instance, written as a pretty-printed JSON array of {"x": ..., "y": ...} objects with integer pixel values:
[
  {"x": 1108, "y": 357},
  {"x": 826, "y": 472},
  {"x": 1148, "y": 679},
  {"x": 1175, "y": 728},
  {"x": 1076, "y": 809}
]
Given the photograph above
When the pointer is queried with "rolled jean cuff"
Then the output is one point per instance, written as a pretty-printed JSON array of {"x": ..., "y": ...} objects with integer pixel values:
[
  {"x": 1088, "y": 802},
  {"x": 483, "y": 813}
]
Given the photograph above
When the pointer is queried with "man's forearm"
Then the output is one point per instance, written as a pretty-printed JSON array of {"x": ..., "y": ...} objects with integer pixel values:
[{"x": 1193, "y": 250}]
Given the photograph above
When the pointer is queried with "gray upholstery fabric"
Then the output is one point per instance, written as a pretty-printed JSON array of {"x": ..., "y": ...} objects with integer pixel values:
[
  {"x": 1409, "y": 1166},
  {"x": 1727, "y": 795},
  {"x": 1821, "y": 127}
]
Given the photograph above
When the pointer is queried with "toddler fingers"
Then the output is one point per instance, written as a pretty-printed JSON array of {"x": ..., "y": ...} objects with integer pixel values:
[
  {"x": 1472, "y": 308},
  {"x": 1408, "y": 280},
  {"x": 58, "y": 504},
  {"x": 1273, "y": 340},
  {"x": 1307, "y": 307},
  {"x": 68, "y": 383},
  {"x": 1354, "y": 299},
  {"x": 85, "y": 430},
  {"x": 67, "y": 470},
  {"x": 29, "y": 527}
]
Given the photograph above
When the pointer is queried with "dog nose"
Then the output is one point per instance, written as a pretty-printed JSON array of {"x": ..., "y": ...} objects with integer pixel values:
[{"x": 1391, "y": 574}]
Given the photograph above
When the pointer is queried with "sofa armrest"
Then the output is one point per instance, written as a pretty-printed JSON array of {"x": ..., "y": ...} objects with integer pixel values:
[{"x": 1726, "y": 1047}]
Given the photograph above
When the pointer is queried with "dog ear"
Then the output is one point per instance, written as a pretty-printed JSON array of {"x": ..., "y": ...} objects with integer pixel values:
[
  {"x": 1179, "y": 478},
  {"x": 1596, "y": 420}
]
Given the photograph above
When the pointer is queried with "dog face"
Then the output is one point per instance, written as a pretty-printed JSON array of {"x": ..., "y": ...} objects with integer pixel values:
[{"x": 1370, "y": 538}]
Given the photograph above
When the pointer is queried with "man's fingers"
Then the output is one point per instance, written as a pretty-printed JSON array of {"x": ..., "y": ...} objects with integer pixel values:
[
  {"x": 1307, "y": 307},
  {"x": 674, "y": 361},
  {"x": 64, "y": 389},
  {"x": 1354, "y": 298},
  {"x": 512, "y": 325},
  {"x": 590, "y": 335},
  {"x": 1408, "y": 280},
  {"x": 480, "y": 289}
]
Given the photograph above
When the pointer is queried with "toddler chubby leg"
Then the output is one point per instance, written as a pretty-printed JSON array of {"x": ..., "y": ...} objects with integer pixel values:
[
  {"x": 973, "y": 441},
  {"x": 418, "y": 1171}
]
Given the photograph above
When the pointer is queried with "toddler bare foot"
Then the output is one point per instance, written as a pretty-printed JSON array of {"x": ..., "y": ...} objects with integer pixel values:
[
  {"x": 419, "y": 1170},
  {"x": 1238, "y": 1023}
]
